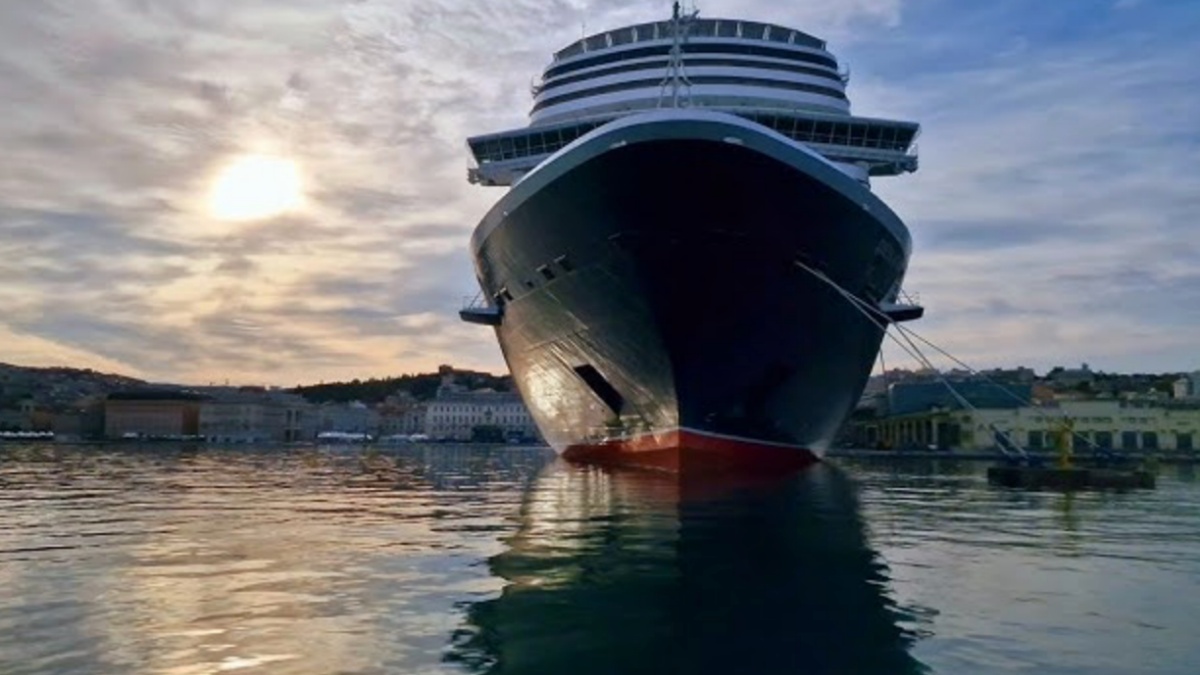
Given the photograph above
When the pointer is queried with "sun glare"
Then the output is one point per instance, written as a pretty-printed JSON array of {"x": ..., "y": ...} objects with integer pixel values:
[{"x": 255, "y": 186}]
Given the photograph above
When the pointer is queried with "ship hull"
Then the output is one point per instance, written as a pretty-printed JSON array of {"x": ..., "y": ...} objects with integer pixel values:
[{"x": 658, "y": 306}]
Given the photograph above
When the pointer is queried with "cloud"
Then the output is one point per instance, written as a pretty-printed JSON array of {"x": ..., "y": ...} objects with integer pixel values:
[
  {"x": 1053, "y": 198},
  {"x": 126, "y": 112},
  {"x": 1056, "y": 179}
]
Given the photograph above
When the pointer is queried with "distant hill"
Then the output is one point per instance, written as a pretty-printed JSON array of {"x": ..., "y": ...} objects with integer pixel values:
[
  {"x": 57, "y": 386},
  {"x": 422, "y": 386},
  {"x": 60, "y": 387}
]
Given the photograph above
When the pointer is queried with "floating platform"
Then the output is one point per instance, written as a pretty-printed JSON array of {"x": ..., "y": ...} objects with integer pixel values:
[{"x": 1074, "y": 478}]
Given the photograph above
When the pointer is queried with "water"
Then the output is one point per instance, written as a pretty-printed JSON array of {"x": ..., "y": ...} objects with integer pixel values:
[{"x": 452, "y": 560}]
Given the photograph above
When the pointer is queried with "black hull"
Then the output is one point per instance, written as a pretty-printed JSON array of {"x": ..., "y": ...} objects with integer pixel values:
[{"x": 649, "y": 286}]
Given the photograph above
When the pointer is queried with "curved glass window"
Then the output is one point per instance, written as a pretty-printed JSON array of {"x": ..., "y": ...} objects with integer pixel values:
[
  {"x": 691, "y": 48},
  {"x": 725, "y": 79},
  {"x": 695, "y": 62}
]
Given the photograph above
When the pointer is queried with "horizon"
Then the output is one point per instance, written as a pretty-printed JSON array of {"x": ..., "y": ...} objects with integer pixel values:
[
  {"x": 503, "y": 372},
  {"x": 277, "y": 189}
]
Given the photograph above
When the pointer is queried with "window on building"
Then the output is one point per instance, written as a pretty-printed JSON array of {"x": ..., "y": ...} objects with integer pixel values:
[
  {"x": 1183, "y": 442},
  {"x": 1037, "y": 440},
  {"x": 1129, "y": 440},
  {"x": 1150, "y": 440}
]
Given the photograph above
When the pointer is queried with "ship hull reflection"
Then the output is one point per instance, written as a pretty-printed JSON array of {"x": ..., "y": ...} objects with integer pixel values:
[{"x": 617, "y": 571}]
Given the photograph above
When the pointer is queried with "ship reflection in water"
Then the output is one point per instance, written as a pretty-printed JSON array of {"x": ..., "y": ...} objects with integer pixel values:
[{"x": 624, "y": 572}]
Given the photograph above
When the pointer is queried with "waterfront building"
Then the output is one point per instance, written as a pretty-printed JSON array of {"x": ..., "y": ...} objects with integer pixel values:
[
  {"x": 152, "y": 413},
  {"x": 255, "y": 415},
  {"x": 1108, "y": 424},
  {"x": 84, "y": 420},
  {"x": 461, "y": 415},
  {"x": 1018, "y": 375},
  {"x": 905, "y": 398},
  {"x": 348, "y": 418},
  {"x": 1187, "y": 386},
  {"x": 401, "y": 414},
  {"x": 1072, "y": 377}
]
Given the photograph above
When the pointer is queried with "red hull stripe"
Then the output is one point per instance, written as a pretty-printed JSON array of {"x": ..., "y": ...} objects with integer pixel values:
[{"x": 680, "y": 449}]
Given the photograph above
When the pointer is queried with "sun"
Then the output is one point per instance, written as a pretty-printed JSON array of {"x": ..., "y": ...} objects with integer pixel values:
[{"x": 256, "y": 186}]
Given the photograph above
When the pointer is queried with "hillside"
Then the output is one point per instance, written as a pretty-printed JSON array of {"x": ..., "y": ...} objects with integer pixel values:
[
  {"x": 57, "y": 386},
  {"x": 422, "y": 386}
]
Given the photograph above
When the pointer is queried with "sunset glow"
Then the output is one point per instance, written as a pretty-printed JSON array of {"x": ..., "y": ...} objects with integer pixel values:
[{"x": 303, "y": 167}]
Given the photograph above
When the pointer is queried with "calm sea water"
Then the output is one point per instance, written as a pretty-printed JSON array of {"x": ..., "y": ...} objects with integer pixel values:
[{"x": 453, "y": 560}]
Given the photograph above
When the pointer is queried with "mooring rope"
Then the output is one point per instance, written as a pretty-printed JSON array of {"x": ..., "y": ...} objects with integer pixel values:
[{"x": 881, "y": 320}]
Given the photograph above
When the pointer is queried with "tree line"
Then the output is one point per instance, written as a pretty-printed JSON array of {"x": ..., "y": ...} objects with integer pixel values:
[{"x": 422, "y": 386}]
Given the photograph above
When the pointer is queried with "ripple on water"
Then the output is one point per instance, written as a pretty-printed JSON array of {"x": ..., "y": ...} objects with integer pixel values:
[{"x": 445, "y": 559}]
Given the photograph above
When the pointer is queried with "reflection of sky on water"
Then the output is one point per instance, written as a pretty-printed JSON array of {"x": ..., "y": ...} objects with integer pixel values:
[
  {"x": 445, "y": 560},
  {"x": 1092, "y": 582},
  {"x": 636, "y": 572},
  {"x": 186, "y": 562}
]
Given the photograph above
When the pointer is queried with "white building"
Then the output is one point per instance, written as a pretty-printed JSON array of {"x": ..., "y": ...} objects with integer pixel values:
[
  {"x": 354, "y": 418},
  {"x": 255, "y": 415},
  {"x": 401, "y": 416},
  {"x": 455, "y": 414},
  {"x": 1108, "y": 424},
  {"x": 1188, "y": 386}
]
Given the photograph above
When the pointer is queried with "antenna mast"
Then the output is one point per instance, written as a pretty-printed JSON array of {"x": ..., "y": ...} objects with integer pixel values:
[{"x": 676, "y": 75}]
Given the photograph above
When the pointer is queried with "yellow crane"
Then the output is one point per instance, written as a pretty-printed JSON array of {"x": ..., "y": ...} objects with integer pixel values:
[{"x": 1064, "y": 442}]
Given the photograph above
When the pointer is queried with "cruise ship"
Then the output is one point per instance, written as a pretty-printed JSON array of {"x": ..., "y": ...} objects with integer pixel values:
[{"x": 689, "y": 267}]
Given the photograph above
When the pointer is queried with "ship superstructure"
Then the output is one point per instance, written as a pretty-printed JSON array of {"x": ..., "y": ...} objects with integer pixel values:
[
  {"x": 780, "y": 78},
  {"x": 686, "y": 209}
]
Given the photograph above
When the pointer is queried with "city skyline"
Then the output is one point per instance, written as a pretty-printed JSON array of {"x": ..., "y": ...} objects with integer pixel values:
[{"x": 1050, "y": 215}]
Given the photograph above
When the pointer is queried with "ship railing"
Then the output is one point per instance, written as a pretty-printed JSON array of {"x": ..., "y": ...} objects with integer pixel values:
[
  {"x": 860, "y": 152},
  {"x": 474, "y": 301},
  {"x": 530, "y": 141},
  {"x": 809, "y": 126},
  {"x": 504, "y": 172},
  {"x": 704, "y": 28},
  {"x": 862, "y": 135},
  {"x": 879, "y": 162}
]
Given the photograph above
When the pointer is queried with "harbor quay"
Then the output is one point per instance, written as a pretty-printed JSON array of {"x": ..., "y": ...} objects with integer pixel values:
[{"x": 921, "y": 414}]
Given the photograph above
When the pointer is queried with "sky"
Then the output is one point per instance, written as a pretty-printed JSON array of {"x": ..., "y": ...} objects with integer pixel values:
[{"x": 1053, "y": 215}]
